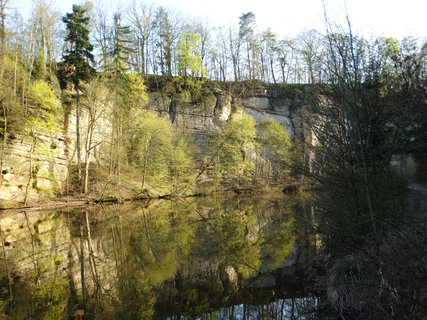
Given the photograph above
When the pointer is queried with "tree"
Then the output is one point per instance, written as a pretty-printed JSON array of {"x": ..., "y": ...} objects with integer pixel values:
[
  {"x": 362, "y": 118},
  {"x": 102, "y": 36},
  {"x": 120, "y": 49},
  {"x": 3, "y": 4},
  {"x": 235, "y": 43},
  {"x": 219, "y": 57},
  {"x": 129, "y": 92},
  {"x": 276, "y": 148},
  {"x": 285, "y": 55},
  {"x": 41, "y": 121},
  {"x": 142, "y": 18},
  {"x": 167, "y": 24},
  {"x": 267, "y": 47},
  {"x": 189, "y": 61},
  {"x": 97, "y": 103},
  {"x": 230, "y": 158},
  {"x": 151, "y": 143},
  {"x": 204, "y": 30},
  {"x": 44, "y": 39},
  {"x": 78, "y": 55},
  {"x": 190, "y": 65},
  {"x": 181, "y": 167},
  {"x": 246, "y": 34},
  {"x": 310, "y": 50},
  {"x": 13, "y": 81}
]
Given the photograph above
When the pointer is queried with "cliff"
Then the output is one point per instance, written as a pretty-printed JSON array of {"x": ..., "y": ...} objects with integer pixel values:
[{"x": 50, "y": 162}]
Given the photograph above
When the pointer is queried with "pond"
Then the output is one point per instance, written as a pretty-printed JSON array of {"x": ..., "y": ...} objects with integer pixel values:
[{"x": 199, "y": 258}]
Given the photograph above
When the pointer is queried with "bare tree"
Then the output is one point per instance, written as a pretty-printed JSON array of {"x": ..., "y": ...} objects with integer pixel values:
[
  {"x": 3, "y": 4},
  {"x": 168, "y": 27},
  {"x": 141, "y": 16},
  {"x": 102, "y": 36},
  {"x": 235, "y": 44}
]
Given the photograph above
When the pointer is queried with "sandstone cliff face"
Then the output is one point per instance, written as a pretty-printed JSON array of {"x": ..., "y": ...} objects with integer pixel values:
[
  {"x": 50, "y": 167},
  {"x": 45, "y": 162},
  {"x": 220, "y": 106}
]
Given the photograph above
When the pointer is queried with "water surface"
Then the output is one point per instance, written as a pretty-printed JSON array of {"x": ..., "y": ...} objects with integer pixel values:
[{"x": 200, "y": 258}]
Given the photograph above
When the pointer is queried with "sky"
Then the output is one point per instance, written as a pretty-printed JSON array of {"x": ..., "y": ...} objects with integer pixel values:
[{"x": 392, "y": 18}]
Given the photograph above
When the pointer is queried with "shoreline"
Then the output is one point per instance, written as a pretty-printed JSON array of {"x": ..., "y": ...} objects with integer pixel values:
[{"x": 81, "y": 200}]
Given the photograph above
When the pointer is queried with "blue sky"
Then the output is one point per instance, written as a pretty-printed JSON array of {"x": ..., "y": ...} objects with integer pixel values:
[{"x": 288, "y": 17}]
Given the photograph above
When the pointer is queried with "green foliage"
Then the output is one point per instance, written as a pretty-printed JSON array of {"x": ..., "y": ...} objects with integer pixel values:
[
  {"x": 189, "y": 61},
  {"x": 134, "y": 90},
  {"x": 190, "y": 89},
  {"x": 280, "y": 242},
  {"x": 78, "y": 53},
  {"x": 42, "y": 126},
  {"x": 51, "y": 293},
  {"x": 120, "y": 46},
  {"x": 229, "y": 236},
  {"x": 275, "y": 147},
  {"x": 181, "y": 167},
  {"x": 42, "y": 118},
  {"x": 165, "y": 163},
  {"x": 49, "y": 290},
  {"x": 190, "y": 66},
  {"x": 154, "y": 245},
  {"x": 233, "y": 146},
  {"x": 151, "y": 142},
  {"x": 13, "y": 81}
]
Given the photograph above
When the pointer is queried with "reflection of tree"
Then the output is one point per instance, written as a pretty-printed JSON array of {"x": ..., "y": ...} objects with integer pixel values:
[
  {"x": 49, "y": 289},
  {"x": 227, "y": 234},
  {"x": 41, "y": 291},
  {"x": 8, "y": 294},
  {"x": 279, "y": 241},
  {"x": 145, "y": 249},
  {"x": 127, "y": 261},
  {"x": 291, "y": 308}
]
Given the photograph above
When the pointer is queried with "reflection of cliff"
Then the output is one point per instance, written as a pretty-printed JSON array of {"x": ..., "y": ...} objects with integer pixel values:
[
  {"x": 34, "y": 264},
  {"x": 133, "y": 261}
]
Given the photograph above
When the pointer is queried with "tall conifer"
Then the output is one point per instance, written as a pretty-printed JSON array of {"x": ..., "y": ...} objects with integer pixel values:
[{"x": 78, "y": 56}]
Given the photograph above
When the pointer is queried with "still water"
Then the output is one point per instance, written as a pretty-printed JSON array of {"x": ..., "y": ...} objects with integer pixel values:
[{"x": 199, "y": 258}]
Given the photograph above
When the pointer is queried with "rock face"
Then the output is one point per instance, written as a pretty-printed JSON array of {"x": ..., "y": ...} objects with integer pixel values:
[
  {"x": 44, "y": 161},
  {"x": 219, "y": 106},
  {"x": 50, "y": 163}
]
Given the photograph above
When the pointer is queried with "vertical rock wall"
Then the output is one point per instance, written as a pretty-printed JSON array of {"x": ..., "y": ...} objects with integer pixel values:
[{"x": 50, "y": 164}]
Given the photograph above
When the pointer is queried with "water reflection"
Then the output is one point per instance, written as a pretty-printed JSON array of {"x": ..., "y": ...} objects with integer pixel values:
[
  {"x": 207, "y": 258},
  {"x": 298, "y": 308}
]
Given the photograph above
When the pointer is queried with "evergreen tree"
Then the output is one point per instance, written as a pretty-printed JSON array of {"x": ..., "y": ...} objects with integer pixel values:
[
  {"x": 247, "y": 35},
  {"x": 78, "y": 55},
  {"x": 167, "y": 25},
  {"x": 121, "y": 46}
]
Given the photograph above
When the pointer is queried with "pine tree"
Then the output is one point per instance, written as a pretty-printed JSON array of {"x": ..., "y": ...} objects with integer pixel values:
[
  {"x": 121, "y": 46},
  {"x": 78, "y": 55}
]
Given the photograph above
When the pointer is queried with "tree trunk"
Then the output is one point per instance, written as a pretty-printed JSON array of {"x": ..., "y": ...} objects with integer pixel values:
[
  {"x": 76, "y": 85},
  {"x": 30, "y": 173},
  {"x": 15, "y": 71},
  {"x": 86, "y": 173},
  {"x": 3, "y": 4},
  {"x": 143, "y": 70},
  {"x": 82, "y": 268},
  {"x": 4, "y": 142},
  {"x": 272, "y": 71}
]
